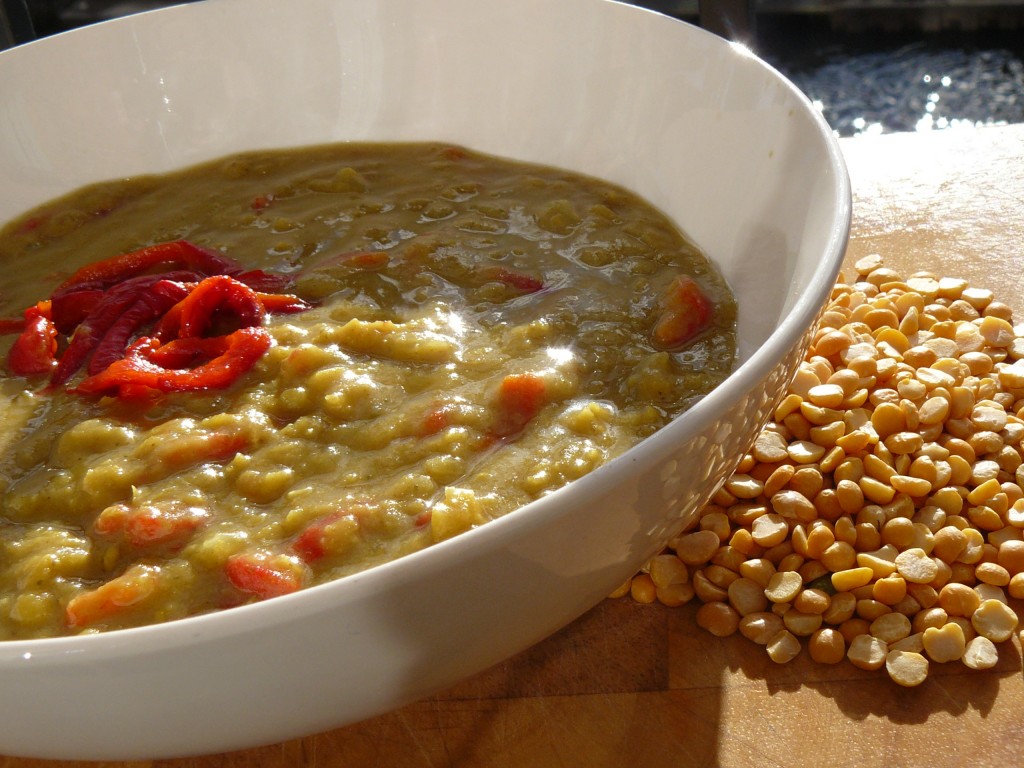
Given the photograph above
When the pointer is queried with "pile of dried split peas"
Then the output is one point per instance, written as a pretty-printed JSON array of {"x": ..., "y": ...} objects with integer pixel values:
[{"x": 879, "y": 517}]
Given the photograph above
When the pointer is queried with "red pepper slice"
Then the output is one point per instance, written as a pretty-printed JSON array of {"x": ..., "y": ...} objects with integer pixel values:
[
  {"x": 513, "y": 279},
  {"x": 312, "y": 543},
  {"x": 33, "y": 352},
  {"x": 147, "y": 308},
  {"x": 169, "y": 326},
  {"x": 72, "y": 307},
  {"x": 165, "y": 524},
  {"x": 9, "y": 325},
  {"x": 92, "y": 331},
  {"x": 143, "y": 365},
  {"x": 521, "y": 396},
  {"x": 453, "y": 153},
  {"x": 438, "y": 418},
  {"x": 194, "y": 313},
  {"x": 189, "y": 353},
  {"x": 259, "y": 280},
  {"x": 104, "y": 305},
  {"x": 261, "y": 202},
  {"x": 685, "y": 313},
  {"x": 369, "y": 261},
  {"x": 179, "y": 254},
  {"x": 119, "y": 595},
  {"x": 264, "y": 577},
  {"x": 282, "y": 303}
]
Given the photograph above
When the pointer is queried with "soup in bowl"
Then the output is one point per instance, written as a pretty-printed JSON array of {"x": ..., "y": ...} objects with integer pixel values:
[{"x": 237, "y": 563}]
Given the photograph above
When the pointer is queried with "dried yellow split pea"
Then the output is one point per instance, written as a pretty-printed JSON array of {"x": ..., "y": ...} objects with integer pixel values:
[{"x": 879, "y": 517}]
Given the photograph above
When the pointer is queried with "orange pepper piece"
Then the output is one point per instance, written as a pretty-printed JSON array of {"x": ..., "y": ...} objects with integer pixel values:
[
  {"x": 116, "y": 596},
  {"x": 262, "y": 576},
  {"x": 686, "y": 311},
  {"x": 521, "y": 396},
  {"x": 34, "y": 351},
  {"x": 144, "y": 364},
  {"x": 151, "y": 525}
]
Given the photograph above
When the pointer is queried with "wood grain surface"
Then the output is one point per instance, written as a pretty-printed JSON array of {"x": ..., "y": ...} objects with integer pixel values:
[{"x": 631, "y": 685}]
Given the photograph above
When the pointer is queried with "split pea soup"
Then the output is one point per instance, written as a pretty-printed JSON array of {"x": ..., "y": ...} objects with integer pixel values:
[{"x": 272, "y": 370}]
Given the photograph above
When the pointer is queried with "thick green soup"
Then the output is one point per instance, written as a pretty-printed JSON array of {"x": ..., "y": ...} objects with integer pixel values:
[{"x": 272, "y": 370}]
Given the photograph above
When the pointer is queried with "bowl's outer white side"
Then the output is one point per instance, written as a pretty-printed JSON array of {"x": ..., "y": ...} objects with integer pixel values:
[{"x": 707, "y": 133}]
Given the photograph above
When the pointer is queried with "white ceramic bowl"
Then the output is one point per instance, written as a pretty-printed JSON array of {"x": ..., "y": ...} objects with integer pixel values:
[{"x": 700, "y": 127}]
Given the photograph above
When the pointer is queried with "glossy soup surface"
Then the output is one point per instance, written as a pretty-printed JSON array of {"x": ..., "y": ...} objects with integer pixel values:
[{"x": 479, "y": 333}]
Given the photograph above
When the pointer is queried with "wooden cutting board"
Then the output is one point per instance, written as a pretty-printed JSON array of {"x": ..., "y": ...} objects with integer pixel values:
[{"x": 631, "y": 685}]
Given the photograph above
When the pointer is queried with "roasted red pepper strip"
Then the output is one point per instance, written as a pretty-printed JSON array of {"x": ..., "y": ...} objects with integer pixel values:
[
  {"x": 685, "y": 313},
  {"x": 91, "y": 330},
  {"x": 264, "y": 577},
  {"x": 261, "y": 201},
  {"x": 104, "y": 305},
  {"x": 282, "y": 303},
  {"x": 438, "y": 418},
  {"x": 72, "y": 307},
  {"x": 148, "y": 307},
  {"x": 519, "y": 280},
  {"x": 119, "y": 595},
  {"x": 168, "y": 524},
  {"x": 9, "y": 325},
  {"x": 313, "y": 543},
  {"x": 370, "y": 261},
  {"x": 213, "y": 293},
  {"x": 141, "y": 366},
  {"x": 90, "y": 333},
  {"x": 169, "y": 326},
  {"x": 189, "y": 353},
  {"x": 192, "y": 315},
  {"x": 179, "y": 254},
  {"x": 33, "y": 352},
  {"x": 520, "y": 397},
  {"x": 259, "y": 280}
]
